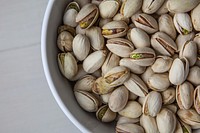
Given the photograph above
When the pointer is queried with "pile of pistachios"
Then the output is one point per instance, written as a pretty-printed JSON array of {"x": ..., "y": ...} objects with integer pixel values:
[{"x": 136, "y": 62}]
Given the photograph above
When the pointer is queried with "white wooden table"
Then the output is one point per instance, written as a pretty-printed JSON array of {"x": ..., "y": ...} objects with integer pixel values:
[{"x": 26, "y": 103}]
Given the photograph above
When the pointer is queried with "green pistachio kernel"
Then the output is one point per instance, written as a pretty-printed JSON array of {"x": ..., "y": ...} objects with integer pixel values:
[{"x": 136, "y": 56}]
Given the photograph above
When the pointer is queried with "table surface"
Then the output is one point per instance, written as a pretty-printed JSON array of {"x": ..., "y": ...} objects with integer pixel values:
[{"x": 26, "y": 103}]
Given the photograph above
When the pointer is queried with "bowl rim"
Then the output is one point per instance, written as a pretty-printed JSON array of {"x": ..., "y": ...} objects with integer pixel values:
[{"x": 47, "y": 70}]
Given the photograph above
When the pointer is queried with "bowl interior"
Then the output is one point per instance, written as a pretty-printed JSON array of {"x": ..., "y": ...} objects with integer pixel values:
[{"x": 60, "y": 87}]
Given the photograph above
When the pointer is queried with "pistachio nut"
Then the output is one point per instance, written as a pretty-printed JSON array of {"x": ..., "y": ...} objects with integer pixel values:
[
  {"x": 179, "y": 71},
  {"x": 85, "y": 84},
  {"x": 114, "y": 29},
  {"x": 87, "y": 100},
  {"x": 64, "y": 41},
  {"x": 96, "y": 2},
  {"x": 67, "y": 28},
  {"x": 184, "y": 95},
  {"x": 163, "y": 9},
  {"x": 94, "y": 61},
  {"x": 194, "y": 75},
  {"x": 97, "y": 73},
  {"x": 152, "y": 104},
  {"x": 108, "y": 8},
  {"x": 129, "y": 128},
  {"x": 67, "y": 64},
  {"x": 189, "y": 51},
  {"x": 104, "y": 114},
  {"x": 168, "y": 96},
  {"x": 80, "y": 74},
  {"x": 171, "y": 107},
  {"x": 101, "y": 87},
  {"x": 180, "y": 6},
  {"x": 159, "y": 82},
  {"x": 135, "y": 85},
  {"x": 117, "y": 76},
  {"x": 195, "y": 18},
  {"x": 105, "y": 97},
  {"x": 197, "y": 99},
  {"x": 95, "y": 37},
  {"x": 183, "y": 23},
  {"x": 79, "y": 30},
  {"x": 120, "y": 46},
  {"x": 103, "y": 21},
  {"x": 119, "y": 17},
  {"x": 112, "y": 60},
  {"x": 70, "y": 14},
  {"x": 147, "y": 74},
  {"x": 149, "y": 124},
  {"x": 166, "y": 25},
  {"x": 181, "y": 127},
  {"x": 162, "y": 64},
  {"x": 145, "y": 22},
  {"x": 190, "y": 117},
  {"x": 81, "y": 3},
  {"x": 132, "y": 110},
  {"x": 87, "y": 16},
  {"x": 130, "y": 7},
  {"x": 143, "y": 56},
  {"x": 81, "y": 46},
  {"x": 132, "y": 96},
  {"x": 139, "y": 38},
  {"x": 141, "y": 100},
  {"x": 197, "y": 40},
  {"x": 118, "y": 99},
  {"x": 127, "y": 62},
  {"x": 151, "y": 6},
  {"x": 126, "y": 120},
  {"x": 166, "y": 121},
  {"x": 182, "y": 39},
  {"x": 163, "y": 44}
]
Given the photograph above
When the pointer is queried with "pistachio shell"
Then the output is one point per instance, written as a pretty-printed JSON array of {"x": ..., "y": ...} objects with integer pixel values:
[
  {"x": 197, "y": 99},
  {"x": 132, "y": 96},
  {"x": 118, "y": 99},
  {"x": 80, "y": 74},
  {"x": 64, "y": 41},
  {"x": 104, "y": 114},
  {"x": 184, "y": 95},
  {"x": 132, "y": 110},
  {"x": 129, "y": 128},
  {"x": 97, "y": 73},
  {"x": 79, "y": 30},
  {"x": 168, "y": 95},
  {"x": 181, "y": 127},
  {"x": 179, "y": 71},
  {"x": 105, "y": 97},
  {"x": 96, "y": 2},
  {"x": 119, "y": 17},
  {"x": 163, "y": 9},
  {"x": 195, "y": 18},
  {"x": 152, "y": 104},
  {"x": 82, "y": 2},
  {"x": 171, "y": 107},
  {"x": 147, "y": 74},
  {"x": 149, "y": 124},
  {"x": 67, "y": 28},
  {"x": 102, "y": 21},
  {"x": 197, "y": 40},
  {"x": 87, "y": 101},
  {"x": 151, "y": 6},
  {"x": 141, "y": 100},
  {"x": 126, "y": 120}
]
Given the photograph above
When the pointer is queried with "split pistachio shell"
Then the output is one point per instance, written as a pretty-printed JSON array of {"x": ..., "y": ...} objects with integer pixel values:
[
  {"x": 95, "y": 37},
  {"x": 130, "y": 7},
  {"x": 70, "y": 14},
  {"x": 85, "y": 84},
  {"x": 197, "y": 99},
  {"x": 119, "y": 17},
  {"x": 108, "y": 8},
  {"x": 139, "y": 38},
  {"x": 184, "y": 95},
  {"x": 151, "y": 6},
  {"x": 162, "y": 64},
  {"x": 152, "y": 104},
  {"x": 64, "y": 41},
  {"x": 94, "y": 61},
  {"x": 117, "y": 76},
  {"x": 143, "y": 56},
  {"x": 182, "y": 39},
  {"x": 112, "y": 60},
  {"x": 105, "y": 97},
  {"x": 179, "y": 71},
  {"x": 104, "y": 114},
  {"x": 118, "y": 99},
  {"x": 171, "y": 107},
  {"x": 80, "y": 74},
  {"x": 103, "y": 21},
  {"x": 163, "y": 44},
  {"x": 114, "y": 29},
  {"x": 166, "y": 25},
  {"x": 120, "y": 46},
  {"x": 127, "y": 62},
  {"x": 87, "y": 101},
  {"x": 183, "y": 23},
  {"x": 81, "y": 46},
  {"x": 67, "y": 28},
  {"x": 132, "y": 110},
  {"x": 149, "y": 124},
  {"x": 179, "y": 6},
  {"x": 129, "y": 128},
  {"x": 181, "y": 127},
  {"x": 135, "y": 85},
  {"x": 194, "y": 75},
  {"x": 190, "y": 117},
  {"x": 159, "y": 82},
  {"x": 87, "y": 16},
  {"x": 79, "y": 30},
  {"x": 196, "y": 17},
  {"x": 166, "y": 121},
  {"x": 147, "y": 74},
  {"x": 67, "y": 64},
  {"x": 146, "y": 22},
  {"x": 168, "y": 95},
  {"x": 126, "y": 120},
  {"x": 197, "y": 40},
  {"x": 189, "y": 51},
  {"x": 163, "y": 9}
]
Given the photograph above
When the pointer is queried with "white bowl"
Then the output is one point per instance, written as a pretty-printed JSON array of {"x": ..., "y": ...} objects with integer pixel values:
[{"x": 60, "y": 87}]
